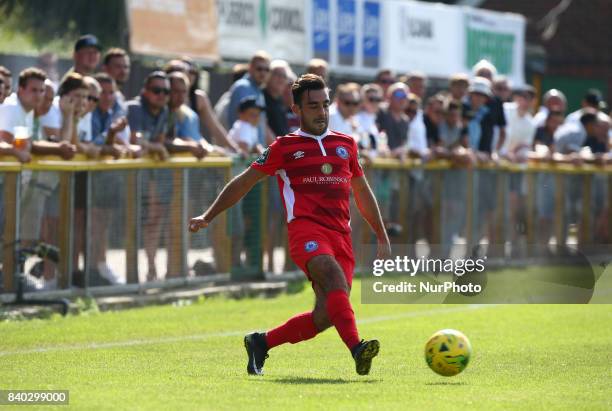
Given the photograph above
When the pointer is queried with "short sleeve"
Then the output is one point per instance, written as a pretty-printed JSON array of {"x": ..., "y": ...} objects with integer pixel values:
[
  {"x": 84, "y": 129},
  {"x": 270, "y": 160},
  {"x": 7, "y": 118},
  {"x": 53, "y": 118},
  {"x": 354, "y": 165}
]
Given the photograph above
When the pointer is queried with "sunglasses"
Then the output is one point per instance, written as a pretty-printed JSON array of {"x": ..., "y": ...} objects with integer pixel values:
[
  {"x": 374, "y": 99},
  {"x": 262, "y": 68},
  {"x": 93, "y": 98},
  {"x": 387, "y": 81},
  {"x": 400, "y": 95},
  {"x": 159, "y": 90},
  {"x": 351, "y": 103}
]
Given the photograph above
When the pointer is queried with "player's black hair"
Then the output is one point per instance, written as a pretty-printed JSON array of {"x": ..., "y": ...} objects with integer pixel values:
[{"x": 305, "y": 83}]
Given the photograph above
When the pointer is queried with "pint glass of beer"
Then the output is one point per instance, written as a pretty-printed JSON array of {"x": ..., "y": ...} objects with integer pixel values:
[{"x": 22, "y": 138}]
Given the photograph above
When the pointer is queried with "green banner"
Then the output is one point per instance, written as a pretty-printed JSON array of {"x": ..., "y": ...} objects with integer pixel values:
[{"x": 495, "y": 47}]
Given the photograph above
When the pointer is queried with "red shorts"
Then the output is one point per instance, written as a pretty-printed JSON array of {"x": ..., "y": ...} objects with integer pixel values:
[{"x": 308, "y": 239}]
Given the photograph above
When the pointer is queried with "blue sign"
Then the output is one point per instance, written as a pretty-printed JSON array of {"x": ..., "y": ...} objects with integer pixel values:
[
  {"x": 346, "y": 32},
  {"x": 320, "y": 29},
  {"x": 371, "y": 34}
]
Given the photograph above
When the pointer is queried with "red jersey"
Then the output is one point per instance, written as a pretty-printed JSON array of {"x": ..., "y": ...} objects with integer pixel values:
[{"x": 314, "y": 176}]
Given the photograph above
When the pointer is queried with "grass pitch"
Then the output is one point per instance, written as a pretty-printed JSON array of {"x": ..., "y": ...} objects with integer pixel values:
[{"x": 525, "y": 357}]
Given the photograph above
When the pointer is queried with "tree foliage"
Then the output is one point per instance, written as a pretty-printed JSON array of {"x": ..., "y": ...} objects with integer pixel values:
[{"x": 49, "y": 19}]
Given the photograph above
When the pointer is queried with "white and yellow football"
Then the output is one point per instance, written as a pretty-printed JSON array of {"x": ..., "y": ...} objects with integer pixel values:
[{"x": 448, "y": 352}]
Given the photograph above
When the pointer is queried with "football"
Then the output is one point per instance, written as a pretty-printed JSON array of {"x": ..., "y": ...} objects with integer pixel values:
[{"x": 448, "y": 352}]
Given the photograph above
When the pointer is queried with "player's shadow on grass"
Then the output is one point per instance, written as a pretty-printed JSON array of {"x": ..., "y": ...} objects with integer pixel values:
[
  {"x": 446, "y": 383},
  {"x": 314, "y": 380}
]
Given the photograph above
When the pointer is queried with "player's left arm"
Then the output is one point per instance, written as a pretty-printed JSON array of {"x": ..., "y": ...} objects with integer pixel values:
[{"x": 368, "y": 207}]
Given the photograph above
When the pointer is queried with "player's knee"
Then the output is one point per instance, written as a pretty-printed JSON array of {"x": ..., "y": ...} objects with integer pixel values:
[{"x": 325, "y": 271}]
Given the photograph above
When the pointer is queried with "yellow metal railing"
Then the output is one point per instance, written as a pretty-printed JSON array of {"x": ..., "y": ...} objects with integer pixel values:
[{"x": 11, "y": 171}]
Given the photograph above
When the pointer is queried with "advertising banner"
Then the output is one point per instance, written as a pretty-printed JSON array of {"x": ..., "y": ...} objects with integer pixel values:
[
  {"x": 173, "y": 27},
  {"x": 497, "y": 37},
  {"x": 275, "y": 26},
  {"x": 423, "y": 37}
]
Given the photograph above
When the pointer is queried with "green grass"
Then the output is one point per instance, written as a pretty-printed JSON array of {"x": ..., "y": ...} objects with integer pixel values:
[{"x": 527, "y": 357}]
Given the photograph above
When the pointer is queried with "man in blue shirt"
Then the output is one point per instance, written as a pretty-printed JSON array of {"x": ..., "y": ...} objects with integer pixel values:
[{"x": 251, "y": 85}]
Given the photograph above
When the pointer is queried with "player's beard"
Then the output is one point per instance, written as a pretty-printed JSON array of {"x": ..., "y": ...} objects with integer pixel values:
[{"x": 316, "y": 127}]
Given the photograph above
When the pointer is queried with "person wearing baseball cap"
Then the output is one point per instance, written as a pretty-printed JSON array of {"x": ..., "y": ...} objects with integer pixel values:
[
  {"x": 592, "y": 100},
  {"x": 86, "y": 55}
]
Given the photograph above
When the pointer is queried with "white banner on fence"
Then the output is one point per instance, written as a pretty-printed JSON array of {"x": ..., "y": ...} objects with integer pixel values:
[
  {"x": 276, "y": 26},
  {"x": 497, "y": 37},
  {"x": 423, "y": 37}
]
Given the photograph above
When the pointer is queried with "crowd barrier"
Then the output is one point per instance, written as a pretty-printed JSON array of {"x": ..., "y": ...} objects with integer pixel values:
[{"x": 118, "y": 225}]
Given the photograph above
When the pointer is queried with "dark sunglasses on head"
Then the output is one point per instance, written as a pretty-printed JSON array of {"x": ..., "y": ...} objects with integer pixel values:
[
  {"x": 159, "y": 90},
  {"x": 351, "y": 103},
  {"x": 93, "y": 98}
]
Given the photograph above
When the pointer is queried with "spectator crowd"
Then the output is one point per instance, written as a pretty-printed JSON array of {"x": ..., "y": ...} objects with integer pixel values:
[{"x": 479, "y": 118}]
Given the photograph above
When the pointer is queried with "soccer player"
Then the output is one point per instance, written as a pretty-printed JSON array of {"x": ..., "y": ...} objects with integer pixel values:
[{"x": 316, "y": 169}]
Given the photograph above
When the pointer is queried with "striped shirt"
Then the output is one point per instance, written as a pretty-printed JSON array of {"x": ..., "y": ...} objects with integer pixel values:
[{"x": 314, "y": 176}]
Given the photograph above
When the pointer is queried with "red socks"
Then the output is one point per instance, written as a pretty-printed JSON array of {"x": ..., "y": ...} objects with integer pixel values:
[
  {"x": 302, "y": 327},
  {"x": 296, "y": 329},
  {"x": 341, "y": 315}
]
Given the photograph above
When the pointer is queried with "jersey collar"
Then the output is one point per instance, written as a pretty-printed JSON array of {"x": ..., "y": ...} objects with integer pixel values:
[{"x": 302, "y": 133}]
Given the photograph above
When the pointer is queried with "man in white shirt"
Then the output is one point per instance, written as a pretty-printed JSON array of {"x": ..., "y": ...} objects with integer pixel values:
[
  {"x": 372, "y": 97},
  {"x": 520, "y": 132},
  {"x": 553, "y": 100},
  {"x": 342, "y": 112},
  {"x": 17, "y": 111},
  {"x": 591, "y": 100},
  {"x": 520, "y": 126}
]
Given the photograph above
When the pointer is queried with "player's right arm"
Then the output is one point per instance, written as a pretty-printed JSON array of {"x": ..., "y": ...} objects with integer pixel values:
[
  {"x": 266, "y": 165},
  {"x": 230, "y": 195}
]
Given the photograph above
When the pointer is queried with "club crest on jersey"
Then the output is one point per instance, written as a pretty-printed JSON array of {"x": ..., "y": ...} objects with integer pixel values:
[
  {"x": 311, "y": 246},
  {"x": 342, "y": 152},
  {"x": 327, "y": 168},
  {"x": 298, "y": 154}
]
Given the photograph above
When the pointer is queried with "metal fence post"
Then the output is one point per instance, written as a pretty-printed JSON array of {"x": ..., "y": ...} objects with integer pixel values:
[
  {"x": 585, "y": 221},
  {"x": 66, "y": 223},
  {"x": 436, "y": 209},
  {"x": 12, "y": 199},
  {"x": 176, "y": 243},
  {"x": 610, "y": 208},
  {"x": 132, "y": 216},
  {"x": 531, "y": 211},
  {"x": 221, "y": 231},
  {"x": 560, "y": 209},
  {"x": 87, "y": 255},
  {"x": 471, "y": 175},
  {"x": 404, "y": 205},
  {"x": 501, "y": 214}
]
